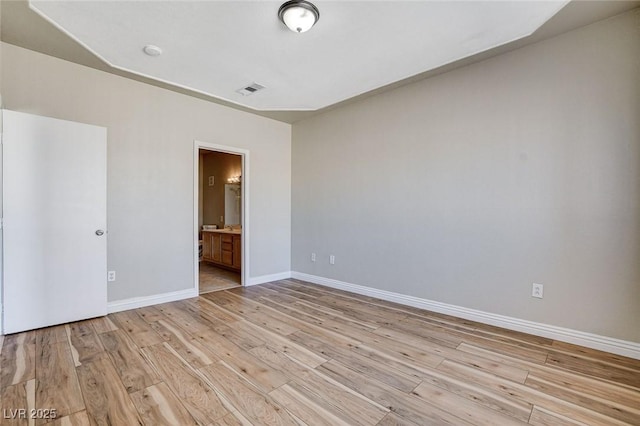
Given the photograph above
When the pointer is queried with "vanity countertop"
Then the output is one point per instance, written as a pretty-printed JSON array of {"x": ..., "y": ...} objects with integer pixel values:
[{"x": 224, "y": 231}]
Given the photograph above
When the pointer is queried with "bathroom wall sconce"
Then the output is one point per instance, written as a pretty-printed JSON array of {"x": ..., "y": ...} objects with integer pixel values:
[{"x": 234, "y": 179}]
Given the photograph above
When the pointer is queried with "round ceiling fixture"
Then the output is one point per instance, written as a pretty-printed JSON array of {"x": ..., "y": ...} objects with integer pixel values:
[
  {"x": 152, "y": 50},
  {"x": 298, "y": 15}
]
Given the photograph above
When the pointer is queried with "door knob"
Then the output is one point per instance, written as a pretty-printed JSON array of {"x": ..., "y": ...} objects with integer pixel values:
[{"x": 99, "y": 232}]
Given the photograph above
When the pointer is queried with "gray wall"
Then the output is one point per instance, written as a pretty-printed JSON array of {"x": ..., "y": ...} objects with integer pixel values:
[
  {"x": 467, "y": 187},
  {"x": 151, "y": 132},
  {"x": 1, "y": 106},
  {"x": 0, "y": 64}
]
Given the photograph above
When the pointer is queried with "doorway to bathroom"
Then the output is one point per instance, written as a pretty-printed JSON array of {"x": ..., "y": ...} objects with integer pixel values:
[{"x": 220, "y": 217}]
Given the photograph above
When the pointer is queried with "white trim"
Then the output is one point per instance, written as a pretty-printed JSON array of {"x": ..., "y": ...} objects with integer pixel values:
[
  {"x": 141, "y": 302},
  {"x": 269, "y": 278},
  {"x": 589, "y": 340},
  {"x": 244, "y": 154}
]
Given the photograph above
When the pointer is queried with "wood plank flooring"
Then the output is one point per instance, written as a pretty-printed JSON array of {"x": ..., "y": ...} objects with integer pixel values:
[{"x": 292, "y": 353}]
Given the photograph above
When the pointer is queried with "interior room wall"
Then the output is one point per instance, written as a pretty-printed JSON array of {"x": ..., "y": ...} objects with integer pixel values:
[
  {"x": 221, "y": 166},
  {"x": 150, "y": 172},
  {"x": 0, "y": 64},
  {"x": 468, "y": 187},
  {"x": 1, "y": 106}
]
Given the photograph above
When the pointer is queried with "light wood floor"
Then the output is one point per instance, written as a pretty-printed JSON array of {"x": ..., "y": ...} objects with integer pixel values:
[
  {"x": 213, "y": 278},
  {"x": 295, "y": 353}
]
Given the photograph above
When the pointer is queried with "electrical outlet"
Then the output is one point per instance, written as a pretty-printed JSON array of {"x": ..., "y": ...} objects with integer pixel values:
[
  {"x": 212, "y": 180},
  {"x": 537, "y": 290},
  {"x": 111, "y": 276},
  {"x": 313, "y": 257},
  {"x": 221, "y": 218},
  {"x": 332, "y": 259}
]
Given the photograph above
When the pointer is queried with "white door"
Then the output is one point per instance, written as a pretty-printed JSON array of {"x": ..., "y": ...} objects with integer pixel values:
[{"x": 54, "y": 221}]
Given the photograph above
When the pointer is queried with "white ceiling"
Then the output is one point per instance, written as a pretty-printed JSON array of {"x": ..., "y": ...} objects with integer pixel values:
[{"x": 217, "y": 47}]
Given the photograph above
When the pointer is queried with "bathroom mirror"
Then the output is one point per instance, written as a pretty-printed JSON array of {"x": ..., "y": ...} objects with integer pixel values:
[{"x": 232, "y": 204}]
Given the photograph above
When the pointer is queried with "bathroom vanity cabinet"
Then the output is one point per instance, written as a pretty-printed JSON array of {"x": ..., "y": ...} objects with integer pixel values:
[{"x": 223, "y": 248}]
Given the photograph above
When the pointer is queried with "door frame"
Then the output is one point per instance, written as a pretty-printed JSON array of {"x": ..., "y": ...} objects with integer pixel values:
[{"x": 244, "y": 156}]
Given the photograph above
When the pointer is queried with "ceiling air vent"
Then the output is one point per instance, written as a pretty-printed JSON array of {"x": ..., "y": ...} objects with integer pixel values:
[{"x": 250, "y": 89}]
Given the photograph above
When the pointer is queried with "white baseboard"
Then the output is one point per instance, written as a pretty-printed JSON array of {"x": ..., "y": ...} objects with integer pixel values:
[
  {"x": 594, "y": 341},
  {"x": 140, "y": 302},
  {"x": 268, "y": 278}
]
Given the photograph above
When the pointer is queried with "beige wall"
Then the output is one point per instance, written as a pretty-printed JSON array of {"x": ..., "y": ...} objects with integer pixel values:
[
  {"x": 467, "y": 187},
  {"x": 221, "y": 166},
  {"x": 150, "y": 156},
  {"x": 1, "y": 106},
  {"x": 0, "y": 63}
]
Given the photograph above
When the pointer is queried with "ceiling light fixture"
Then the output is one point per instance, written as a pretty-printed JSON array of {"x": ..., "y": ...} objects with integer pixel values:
[{"x": 298, "y": 15}]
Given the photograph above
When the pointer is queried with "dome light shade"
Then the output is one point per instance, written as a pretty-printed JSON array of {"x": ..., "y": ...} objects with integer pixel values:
[{"x": 298, "y": 15}]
